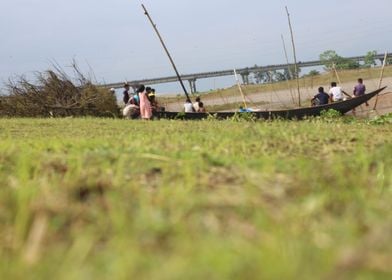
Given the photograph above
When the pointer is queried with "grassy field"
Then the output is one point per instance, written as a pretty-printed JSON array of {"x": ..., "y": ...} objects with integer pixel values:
[{"x": 116, "y": 199}]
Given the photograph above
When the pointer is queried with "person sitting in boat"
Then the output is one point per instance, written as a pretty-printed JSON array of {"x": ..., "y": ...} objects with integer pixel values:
[
  {"x": 196, "y": 104},
  {"x": 360, "y": 89},
  {"x": 188, "y": 107},
  {"x": 201, "y": 108},
  {"x": 337, "y": 92},
  {"x": 321, "y": 98}
]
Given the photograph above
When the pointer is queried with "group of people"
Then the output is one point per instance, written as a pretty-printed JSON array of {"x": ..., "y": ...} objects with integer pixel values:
[
  {"x": 336, "y": 94},
  {"x": 140, "y": 104},
  {"x": 143, "y": 103},
  {"x": 196, "y": 107}
]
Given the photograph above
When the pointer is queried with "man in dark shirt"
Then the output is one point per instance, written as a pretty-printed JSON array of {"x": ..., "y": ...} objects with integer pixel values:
[
  {"x": 321, "y": 98},
  {"x": 360, "y": 89},
  {"x": 126, "y": 93}
]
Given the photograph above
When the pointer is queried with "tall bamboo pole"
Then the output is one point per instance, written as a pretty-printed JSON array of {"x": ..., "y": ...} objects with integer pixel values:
[
  {"x": 167, "y": 52},
  {"x": 239, "y": 87},
  {"x": 381, "y": 77},
  {"x": 295, "y": 57},
  {"x": 339, "y": 81},
  {"x": 288, "y": 69},
  {"x": 336, "y": 73}
]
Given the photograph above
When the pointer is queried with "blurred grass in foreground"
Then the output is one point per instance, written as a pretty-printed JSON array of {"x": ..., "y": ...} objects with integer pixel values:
[{"x": 115, "y": 199}]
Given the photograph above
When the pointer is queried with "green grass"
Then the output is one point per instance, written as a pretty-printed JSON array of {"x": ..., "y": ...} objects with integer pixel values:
[{"x": 116, "y": 199}]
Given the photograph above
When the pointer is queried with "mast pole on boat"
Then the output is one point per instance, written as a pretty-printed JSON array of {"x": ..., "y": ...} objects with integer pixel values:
[
  {"x": 288, "y": 69},
  {"x": 336, "y": 73},
  {"x": 295, "y": 57},
  {"x": 167, "y": 52},
  {"x": 381, "y": 77},
  {"x": 338, "y": 79}
]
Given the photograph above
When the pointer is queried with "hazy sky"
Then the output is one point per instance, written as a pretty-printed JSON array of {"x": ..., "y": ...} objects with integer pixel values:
[{"x": 116, "y": 40}]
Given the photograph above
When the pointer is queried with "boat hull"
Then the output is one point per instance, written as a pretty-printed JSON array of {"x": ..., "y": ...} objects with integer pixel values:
[{"x": 298, "y": 113}]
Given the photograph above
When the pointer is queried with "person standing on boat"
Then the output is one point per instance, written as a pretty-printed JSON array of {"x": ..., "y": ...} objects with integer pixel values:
[
  {"x": 126, "y": 93},
  {"x": 336, "y": 92},
  {"x": 321, "y": 98},
  {"x": 145, "y": 105},
  {"x": 360, "y": 89}
]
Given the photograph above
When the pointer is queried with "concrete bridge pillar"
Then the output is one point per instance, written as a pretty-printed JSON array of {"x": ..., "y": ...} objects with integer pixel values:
[
  {"x": 192, "y": 85},
  {"x": 245, "y": 78}
]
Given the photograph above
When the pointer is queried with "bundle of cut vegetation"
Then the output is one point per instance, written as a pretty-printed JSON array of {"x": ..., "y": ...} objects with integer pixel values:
[{"x": 55, "y": 94}]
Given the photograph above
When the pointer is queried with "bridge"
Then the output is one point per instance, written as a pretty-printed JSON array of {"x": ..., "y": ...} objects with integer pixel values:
[{"x": 244, "y": 72}]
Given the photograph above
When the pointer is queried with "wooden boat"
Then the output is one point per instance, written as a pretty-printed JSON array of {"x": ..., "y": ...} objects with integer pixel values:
[{"x": 297, "y": 113}]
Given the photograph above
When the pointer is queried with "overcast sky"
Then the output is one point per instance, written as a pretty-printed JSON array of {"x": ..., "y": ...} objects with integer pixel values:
[{"x": 115, "y": 39}]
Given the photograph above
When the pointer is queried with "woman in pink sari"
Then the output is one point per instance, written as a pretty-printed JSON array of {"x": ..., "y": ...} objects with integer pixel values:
[{"x": 145, "y": 105}]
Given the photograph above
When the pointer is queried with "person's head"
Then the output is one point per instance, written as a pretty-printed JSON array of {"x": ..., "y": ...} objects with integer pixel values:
[
  {"x": 188, "y": 101},
  {"x": 360, "y": 80},
  {"x": 126, "y": 86},
  {"x": 201, "y": 105},
  {"x": 333, "y": 84},
  {"x": 151, "y": 93},
  {"x": 197, "y": 99},
  {"x": 153, "y": 90},
  {"x": 320, "y": 89},
  {"x": 141, "y": 88},
  {"x": 112, "y": 90}
]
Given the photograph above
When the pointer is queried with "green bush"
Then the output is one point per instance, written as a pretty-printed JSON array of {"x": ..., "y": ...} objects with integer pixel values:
[
  {"x": 330, "y": 114},
  {"x": 380, "y": 120}
]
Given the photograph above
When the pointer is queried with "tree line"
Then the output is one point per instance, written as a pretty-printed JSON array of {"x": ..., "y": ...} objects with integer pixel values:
[{"x": 329, "y": 59}]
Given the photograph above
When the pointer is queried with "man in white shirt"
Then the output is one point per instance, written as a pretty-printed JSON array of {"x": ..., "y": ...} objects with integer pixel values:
[
  {"x": 336, "y": 92},
  {"x": 188, "y": 107}
]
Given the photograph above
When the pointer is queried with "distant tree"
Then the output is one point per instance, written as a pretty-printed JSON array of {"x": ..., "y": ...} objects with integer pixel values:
[
  {"x": 330, "y": 58},
  {"x": 370, "y": 59},
  {"x": 275, "y": 76},
  {"x": 278, "y": 76},
  {"x": 261, "y": 77},
  {"x": 389, "y": 61},
  {"x": 291, "y": 69},
  {"x": 347, "y": 63},
  {"x": 257, "y": 78}
]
